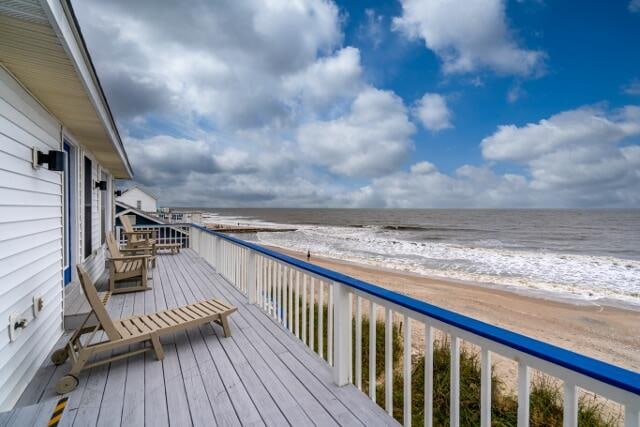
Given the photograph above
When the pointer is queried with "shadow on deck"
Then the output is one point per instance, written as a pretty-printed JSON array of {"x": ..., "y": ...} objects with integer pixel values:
[{"x": 261, "y": 375}]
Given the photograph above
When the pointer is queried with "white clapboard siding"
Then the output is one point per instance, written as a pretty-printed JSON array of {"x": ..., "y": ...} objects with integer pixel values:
[{"x": 30, "y": 237}]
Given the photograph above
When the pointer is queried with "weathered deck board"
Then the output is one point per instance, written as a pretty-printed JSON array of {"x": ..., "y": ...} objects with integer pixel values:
[
  {"x": 310, "y": 366},
  {"x": 260, "y": 375},
  {"x": 245, "y": 364}
]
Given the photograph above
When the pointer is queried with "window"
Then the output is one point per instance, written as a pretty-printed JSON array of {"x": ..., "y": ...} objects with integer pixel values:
[
  {"x": 139, "y": 204},
  {"x": 88, "y": 195}
]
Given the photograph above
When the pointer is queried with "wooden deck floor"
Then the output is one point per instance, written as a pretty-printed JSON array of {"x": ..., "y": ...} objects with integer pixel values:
[{"x": 262, "y": 375}]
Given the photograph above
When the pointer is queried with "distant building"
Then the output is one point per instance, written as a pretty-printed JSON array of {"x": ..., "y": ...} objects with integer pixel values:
[{"x": 139, "y": 198}]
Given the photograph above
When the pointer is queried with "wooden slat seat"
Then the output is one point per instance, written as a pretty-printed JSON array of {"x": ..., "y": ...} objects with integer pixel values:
[
  {"x": 122, "y": 333},
  {"x": 126, "y": 267}
]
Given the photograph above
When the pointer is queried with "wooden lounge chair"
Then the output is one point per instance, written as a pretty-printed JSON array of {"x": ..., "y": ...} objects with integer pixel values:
[
  {"x": 123, "y": 267},
  {"x": 146, "y": 330}
]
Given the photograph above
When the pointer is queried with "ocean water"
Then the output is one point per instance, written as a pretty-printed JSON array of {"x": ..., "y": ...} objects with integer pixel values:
[{"x": 585, "y": 255}]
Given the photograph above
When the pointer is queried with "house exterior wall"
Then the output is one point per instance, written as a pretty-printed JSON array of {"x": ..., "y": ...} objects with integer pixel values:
[
  {"x": 31, "y": 234},
  {"x": 132, "y": 196}
]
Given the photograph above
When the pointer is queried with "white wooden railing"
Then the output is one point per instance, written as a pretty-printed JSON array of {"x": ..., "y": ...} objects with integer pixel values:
[
  {"x": 282, "y": 286},
  {"x": 162, "y": 233}
]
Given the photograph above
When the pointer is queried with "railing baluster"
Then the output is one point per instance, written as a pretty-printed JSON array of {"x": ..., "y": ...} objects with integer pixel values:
[
  {"x": 570, "y": 405},
  {"x": 388, "y": 361},
  {"x": 312, "y": 301},
  {"x": 372, "y": 350},
  {"x": 330, "y": 325},
  {"x": 523, "y": 394},
  {"x": 359, "y": 342},
  {"x": 285, "y": 296},
  {"x": 454, "y": 398},
  {"x": 305, "y": 309},
  {"x": 265, "y": 283},
  {"x": 272, "y": 288},
  {"x": 290, "y": 301},
  {"x": 256, "y": 266},
  {"x": 320, "y": 318},
  {"x": 485, "y": 388},
  {"x": 297, "y": 305},
  {"x": 349, "y": 335},
  {"x": 428, "y": 376},
  {"x": 267, "y": 298},
  {"x": 280, "y": 269},
  {"x": 274, "y": 301},
  {"x": 406, "y": 371}
]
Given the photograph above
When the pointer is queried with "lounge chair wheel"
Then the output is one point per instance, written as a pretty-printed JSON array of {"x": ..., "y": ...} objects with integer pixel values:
[
  {"x": 66, "y": 384},
  {"x": 59, "y": 356}
]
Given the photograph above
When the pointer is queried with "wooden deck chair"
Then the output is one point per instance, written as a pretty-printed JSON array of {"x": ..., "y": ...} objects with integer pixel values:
[
  {"x": 120, "y": 334},
  {"x": 136, "y": 237},
  {"x": 123, "y": 267},
  {"x": 139, "y": 239}
]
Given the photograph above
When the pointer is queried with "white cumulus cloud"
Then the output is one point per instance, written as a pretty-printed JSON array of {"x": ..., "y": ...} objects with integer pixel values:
[
  {"x": 229, "y": 61},
  {"x": 576, "y": 154},
  {"x": 468, "y": 35},
  {"x": 372, "y": 139},
  {"x": 433, "y": 112}
]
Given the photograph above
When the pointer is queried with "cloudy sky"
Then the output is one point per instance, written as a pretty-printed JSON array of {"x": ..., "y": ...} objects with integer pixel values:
[{"x": 410, "y": 103}]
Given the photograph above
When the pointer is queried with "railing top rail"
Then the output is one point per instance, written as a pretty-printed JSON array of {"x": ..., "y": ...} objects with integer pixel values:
[{"x": 602, "y": 371}]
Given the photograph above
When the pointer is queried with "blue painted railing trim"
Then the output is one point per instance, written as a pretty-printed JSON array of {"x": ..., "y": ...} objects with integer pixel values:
[{"x": 597, "y": 369}]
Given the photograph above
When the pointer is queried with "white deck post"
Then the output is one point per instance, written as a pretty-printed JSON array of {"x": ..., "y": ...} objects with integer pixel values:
[
  {"x": 251, "y": 276},
  {"x": 570, "y": 406},
  {"x": 340, "y": 336},
  {"x": 524, "y": 375}
]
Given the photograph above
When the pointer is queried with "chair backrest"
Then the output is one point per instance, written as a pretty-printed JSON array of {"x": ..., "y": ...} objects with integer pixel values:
[
  {"x": 126, "y": 224},
  {"x": 114, "y": 249},
  {"x": 96, "y": 305}
]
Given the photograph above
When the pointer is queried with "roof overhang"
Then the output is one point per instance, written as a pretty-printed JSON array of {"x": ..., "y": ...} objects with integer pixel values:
[{"x": 42, "y": 46}]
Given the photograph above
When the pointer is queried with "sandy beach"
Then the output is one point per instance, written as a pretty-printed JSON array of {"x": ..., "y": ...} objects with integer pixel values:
[{"x": 604, "y": 332}]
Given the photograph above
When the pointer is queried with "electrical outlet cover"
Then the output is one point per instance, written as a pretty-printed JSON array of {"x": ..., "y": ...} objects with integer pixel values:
[
  {"x": 13, "y": 332},
  {"x": 38, "y": 304}
]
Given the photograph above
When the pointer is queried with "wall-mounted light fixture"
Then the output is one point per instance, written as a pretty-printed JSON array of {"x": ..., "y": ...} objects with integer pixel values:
[
  {"x": 54, "y": 159},
  {"x": 118, "y": 193},
  {"x": 102, "y": 185}
]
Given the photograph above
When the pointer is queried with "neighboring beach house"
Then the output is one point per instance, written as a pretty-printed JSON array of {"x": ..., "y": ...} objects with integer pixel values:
[
  {"x": 59, "y": 153},
  {"x": 140, "y": 198},
  {"x": 298, "y": 351}
]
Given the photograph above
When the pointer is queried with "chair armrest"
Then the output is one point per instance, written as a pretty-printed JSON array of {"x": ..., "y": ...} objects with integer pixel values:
[
  {"x": 145, "y": 250},
  {"x": 128, "y": 257}
]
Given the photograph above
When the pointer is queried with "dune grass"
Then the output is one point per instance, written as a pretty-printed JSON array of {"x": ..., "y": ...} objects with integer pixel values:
[{"x": 545, "y": 396}]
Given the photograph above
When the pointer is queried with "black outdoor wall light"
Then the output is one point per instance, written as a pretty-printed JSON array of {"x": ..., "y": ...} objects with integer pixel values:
[
  {"x": 118, "y": 193},
  {"x": 102, "y": 185},
  {"x": 54, "y": 159}
]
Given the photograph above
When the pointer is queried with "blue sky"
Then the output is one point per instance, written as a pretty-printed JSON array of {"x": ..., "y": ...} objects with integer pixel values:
[
  {"x": 593, "y": 52},
  {"x": 412, "y": 103}
]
